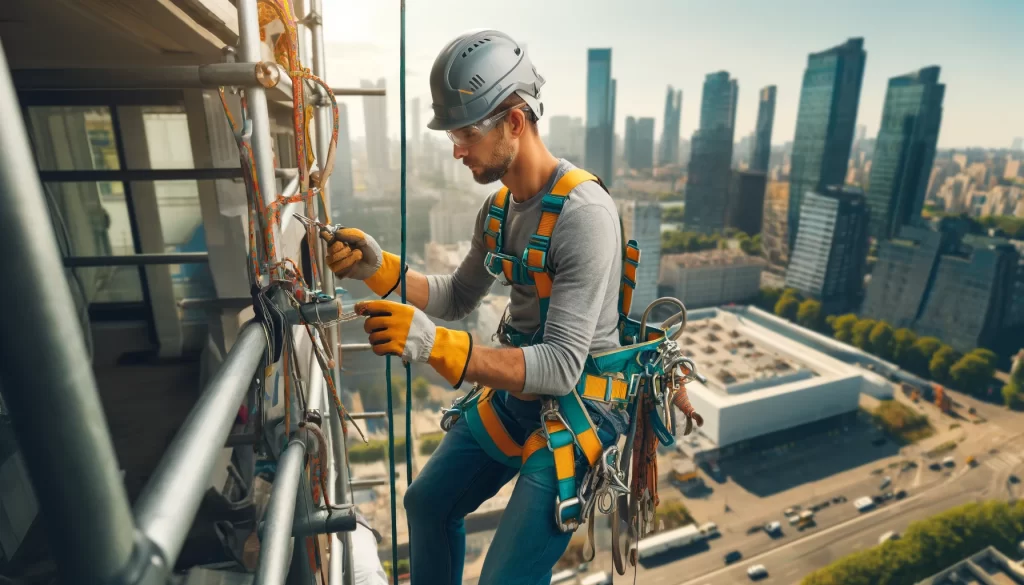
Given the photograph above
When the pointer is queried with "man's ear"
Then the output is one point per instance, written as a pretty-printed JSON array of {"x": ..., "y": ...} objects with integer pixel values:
[{"x": 517, "y": 122}]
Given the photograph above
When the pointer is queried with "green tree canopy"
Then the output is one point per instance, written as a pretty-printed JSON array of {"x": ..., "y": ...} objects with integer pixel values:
[
  {"x": 880, "y": 340},
  {"x": 986, "y": 354},
  {"x": 842, "y": 327},
  {"x": 809, "y": 314},
  {"x": 972, "y": 374},
  {"x": 940, "y": 363},
  {"x": 920, "y": 355},
  {"x": 767, "y": 297},
  {"x": 420, "y": 388},
  {"x": 787, "y": 307},
  {"x": 902, "y": 339},
  {"x": 861, "y": 330}
]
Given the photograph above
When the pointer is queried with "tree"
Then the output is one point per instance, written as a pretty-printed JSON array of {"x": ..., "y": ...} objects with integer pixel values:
[
  {"x": 920, "y": 355},
  {"x": 842, "y": 327},
  {"x": 940, "y": 363},
  {"x": 767, "y": 297},
  {"x": 809, "y": 314},
  {"x": 861, "y": 330},
  {"x": 420, "y": 388},
  {"x": 880, "y": 340},
  {"x": 972, "y": 374},
  {"x": 787, "y": 307},
  {"x": 988, "y": 355},
  {"x": 1013, "y": 391},
  {"x": 902, "y": 339}
]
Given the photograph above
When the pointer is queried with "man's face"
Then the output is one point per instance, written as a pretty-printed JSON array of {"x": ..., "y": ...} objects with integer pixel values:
[{"x": 490, "y": 157}]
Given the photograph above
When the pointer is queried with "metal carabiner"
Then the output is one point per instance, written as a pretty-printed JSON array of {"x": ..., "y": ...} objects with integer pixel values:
[{"x": 549, "y": 412}]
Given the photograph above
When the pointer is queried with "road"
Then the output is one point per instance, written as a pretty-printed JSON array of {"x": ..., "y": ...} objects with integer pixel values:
[{"x": 839, "y": 533}]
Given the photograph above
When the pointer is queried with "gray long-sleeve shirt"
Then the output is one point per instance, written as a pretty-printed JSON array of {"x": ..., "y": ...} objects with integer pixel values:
[{"x": 585, "y": 257}]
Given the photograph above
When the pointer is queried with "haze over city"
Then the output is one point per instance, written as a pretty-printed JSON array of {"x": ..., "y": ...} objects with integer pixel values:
[{"x": 656, "y": 43}]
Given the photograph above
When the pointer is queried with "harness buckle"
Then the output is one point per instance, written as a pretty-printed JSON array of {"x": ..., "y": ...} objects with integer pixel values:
[
  {"x": 450, "y": 416},
  {"x": 571, "y": 524},
  {"x": 550, "y": 412}
]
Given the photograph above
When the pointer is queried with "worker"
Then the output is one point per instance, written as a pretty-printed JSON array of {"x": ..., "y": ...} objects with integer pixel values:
[{"x": 553, "y": 234}]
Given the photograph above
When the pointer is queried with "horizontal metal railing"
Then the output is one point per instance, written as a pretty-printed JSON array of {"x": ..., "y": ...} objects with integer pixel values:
[{"x": 138, "y": 260}]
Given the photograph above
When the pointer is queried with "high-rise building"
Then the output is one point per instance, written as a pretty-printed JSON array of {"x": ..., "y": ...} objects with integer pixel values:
[
  {"x": 600, "y": 146},
  {"x": 639, "y": 144},
  {"x": 762, "y": 148},
  {"x": 825, "y": 122},
  {"x": 902, "y": 274},
  {"x": 375, "y": 118},
  {"x": 668, "y": 148},
  {"x": 971, "y": 293},
  {"x": 904, "y": 150},
  {"x": 641, "y": 221},
  {"x": 830, "y": 254},
  {"x": 774, "y": 226},
  {"x": 1018, "y": 144},
  {"x": 566, "y": 138},
  {"x": 341, "y": 181},
  {"x": 745, "y": 207},
  {"x": 708, "y": 176}
]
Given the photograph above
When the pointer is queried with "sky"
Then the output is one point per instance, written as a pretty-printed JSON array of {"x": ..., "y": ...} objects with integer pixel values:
[{"x": 656, "y": 43}]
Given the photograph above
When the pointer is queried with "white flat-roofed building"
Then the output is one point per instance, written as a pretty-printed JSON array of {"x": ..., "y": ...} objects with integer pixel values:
[
  {"x": 762, "y": 379},
  {"x": 712, "y": 277}
]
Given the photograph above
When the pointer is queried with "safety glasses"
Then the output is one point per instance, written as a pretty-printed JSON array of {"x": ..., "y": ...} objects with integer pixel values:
[{"x": 474, "y": 133}]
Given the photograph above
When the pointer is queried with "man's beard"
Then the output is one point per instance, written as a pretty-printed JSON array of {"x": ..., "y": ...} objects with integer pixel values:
[{"x": 505, "y": 154}]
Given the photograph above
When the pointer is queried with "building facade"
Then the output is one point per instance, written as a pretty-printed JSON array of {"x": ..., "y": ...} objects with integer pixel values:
[
  {"x": 708, "y": 176},
  {"x": 375, "y": 118},
  {"x": 904, "y": 150},
  {"x": 825, "y": 123},
  {"x": 829, "y": 258},
  {"x": 774, "y": 226},
  {"x": 639, "y": 143},
  {"x": 566, "y": 138},
  {"x": 668, "y": 148},
  {"x": 712, "y": 277},
  {"x": 600, "y": 132},
  {"x": 762, "y": 148},
  {"x": 641, "y": 221},
  {"x": 745, "y": 207}
]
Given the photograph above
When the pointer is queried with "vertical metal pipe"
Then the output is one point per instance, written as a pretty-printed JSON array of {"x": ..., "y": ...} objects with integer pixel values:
[
  {"x": 340, "y": 460},
  {"x": 324, "y": 124},
  {"x": 47, "y": 379},
  {"x": 262, "y": 141},
  {"x": 277, "y": 530}
]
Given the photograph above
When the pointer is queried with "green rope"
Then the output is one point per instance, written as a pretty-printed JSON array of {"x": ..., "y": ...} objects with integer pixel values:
[{"x": 387, "y": 364}]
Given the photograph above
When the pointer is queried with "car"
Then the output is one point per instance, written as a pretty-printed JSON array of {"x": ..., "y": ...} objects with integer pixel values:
[
  {"x": 756, "y": 572},
  {"x": 773, "y": 527},
  {"x": 755, "y": 529},
  {"x": 972, "y": 461},
  {"x": 1013, "y": 479},
  {"x": 793, "y": 520},
  {"x": 791, "y": 510},
  {"x": 900, "y": 494},
  {"x": 877, "y": 499},
  {"x": 709, "y": 530},
  {"x": 891, "y": 535},
  {"x": 733, "y": 556},
  {"x": 935, "y": 466},
  {"x": 886, "y": 481},
  {"x": 839, "y": 500},
  {"x": 949, "y": 461},
  {"x": 888, "y": 496}
]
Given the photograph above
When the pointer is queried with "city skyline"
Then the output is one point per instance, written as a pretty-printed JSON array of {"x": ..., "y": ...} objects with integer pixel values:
[{"x": 766, "y": 47}]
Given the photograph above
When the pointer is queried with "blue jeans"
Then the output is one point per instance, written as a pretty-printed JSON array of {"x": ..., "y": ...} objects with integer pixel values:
[{"x": 458, "y": 478}]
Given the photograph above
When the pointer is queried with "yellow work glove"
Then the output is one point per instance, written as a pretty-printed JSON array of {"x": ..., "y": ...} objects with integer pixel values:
[
  {"x": 354, "y": 254},
  {"x": 406, "y": 332}
]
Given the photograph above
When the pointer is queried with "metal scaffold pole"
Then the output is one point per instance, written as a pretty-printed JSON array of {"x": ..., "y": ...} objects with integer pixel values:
[{"x": 47, "y": 380}]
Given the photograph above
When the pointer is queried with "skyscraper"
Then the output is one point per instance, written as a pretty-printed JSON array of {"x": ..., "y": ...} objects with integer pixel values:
[
  {"x": 824, "y": 123},
  {"x": 375, "y": 117},
  {"x": 1018, "y": 144},
  {"x": 566, "y": 138},
  {"x": 830, "y": 255},
  {"x": 904, "y": 150},
  {"x": 639, "y": 143},
  {"x": 340, "y": 183},
  {"x": 599, "y": 155},
  {"x": 668, "y": 148},
  {"x": 745, "y": 207},
  {"x": 708, "y": 176},
  {"x": 762, "y": 148}
]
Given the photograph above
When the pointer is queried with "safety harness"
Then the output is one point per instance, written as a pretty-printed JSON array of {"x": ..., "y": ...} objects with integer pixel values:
[{"x": 614, "y": 378}]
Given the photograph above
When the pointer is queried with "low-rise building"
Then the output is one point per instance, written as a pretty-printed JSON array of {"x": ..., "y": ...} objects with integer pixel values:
[
  {"x": 987, "y": 567},
  {"x": 712, "y": 277}
]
